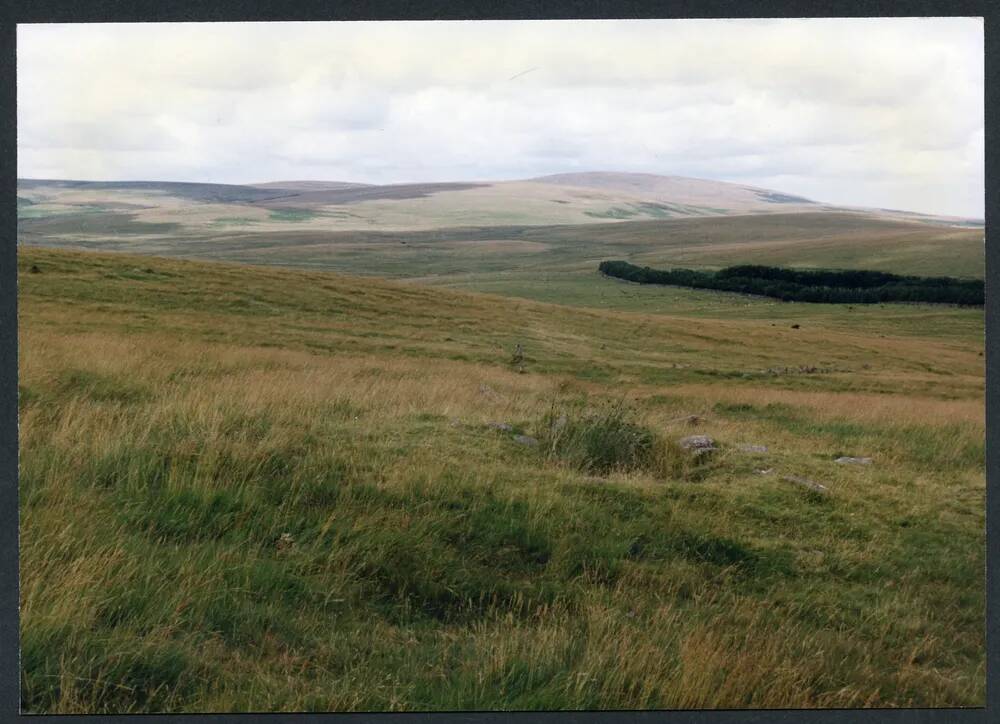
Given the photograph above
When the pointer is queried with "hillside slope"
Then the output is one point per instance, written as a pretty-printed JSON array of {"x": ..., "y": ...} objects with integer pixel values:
[
  {"x": 247, "y": 489},
  {"x": 488, "y": 257},
  {"x": 330, "y": 206},
  {"x": 680, "y": 189}
]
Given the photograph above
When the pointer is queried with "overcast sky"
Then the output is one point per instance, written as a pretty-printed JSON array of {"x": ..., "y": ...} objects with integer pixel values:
[{"x": 884, "y": 112}]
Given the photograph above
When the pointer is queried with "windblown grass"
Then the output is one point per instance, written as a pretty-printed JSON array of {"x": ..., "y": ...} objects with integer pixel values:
[
  {"x": 611, "y": 439},
  {"x": 253, "y": 489}
]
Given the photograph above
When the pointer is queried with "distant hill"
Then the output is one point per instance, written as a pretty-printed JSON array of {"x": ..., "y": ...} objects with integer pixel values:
[
  {"x": 569, "y": 198},
  {"x": 680, "y": 189},
  {"x": 309, "y": 185},
  {"x": 357, "y": 193},
  {"x": 44, "y": 190}
]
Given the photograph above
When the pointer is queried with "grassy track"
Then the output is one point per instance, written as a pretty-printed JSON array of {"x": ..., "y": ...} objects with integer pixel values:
[{"x": 262, "y": 489}]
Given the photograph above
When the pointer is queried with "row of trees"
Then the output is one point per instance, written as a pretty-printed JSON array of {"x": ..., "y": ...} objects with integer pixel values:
[{"x": 832, "y": 287}]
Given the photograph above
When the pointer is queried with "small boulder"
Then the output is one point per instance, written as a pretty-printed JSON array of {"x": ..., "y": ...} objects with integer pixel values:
[
  {"x": 525, "y": 440},
  {"x": 754, "y": 448},
  {"x": 500, "y": 426},
  {"x": 694, "y": 442},
  {"x": 697, "y": 445},
  {"x": 853, "y": 461},
  {"x": 559, "y": 423}
]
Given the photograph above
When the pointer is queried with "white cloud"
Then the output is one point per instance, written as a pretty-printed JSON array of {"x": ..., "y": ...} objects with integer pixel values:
[{"x": 880, "y": 112}]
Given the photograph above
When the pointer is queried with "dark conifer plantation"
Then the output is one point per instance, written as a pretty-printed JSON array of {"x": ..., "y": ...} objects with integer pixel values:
[{"x": 852, "y": 286}]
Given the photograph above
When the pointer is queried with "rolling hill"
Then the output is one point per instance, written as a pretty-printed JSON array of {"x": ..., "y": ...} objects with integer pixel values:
[
  {"x": 700, "y": 193},
  {"x": 501, "y": 237},
  {"x": 560, "y": 199},
  {"x": 251, "y": 488}
]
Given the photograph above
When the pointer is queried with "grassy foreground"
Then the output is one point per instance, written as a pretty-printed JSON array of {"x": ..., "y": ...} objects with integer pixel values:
[{"x": 260, "y": 489}]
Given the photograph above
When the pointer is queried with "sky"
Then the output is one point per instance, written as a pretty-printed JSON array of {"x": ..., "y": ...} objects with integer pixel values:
[{"x": 879, "y": 112}]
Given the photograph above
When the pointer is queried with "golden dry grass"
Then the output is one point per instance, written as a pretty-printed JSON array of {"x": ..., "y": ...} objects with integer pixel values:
[{"x": 167, "y": 445}]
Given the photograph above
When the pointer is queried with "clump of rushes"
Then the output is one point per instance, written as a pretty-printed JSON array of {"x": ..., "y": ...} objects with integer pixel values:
[{"x": 609, "y": 438}]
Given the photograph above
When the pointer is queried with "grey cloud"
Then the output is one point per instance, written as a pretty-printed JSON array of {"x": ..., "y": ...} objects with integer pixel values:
[{"x": 873, "y": 112}]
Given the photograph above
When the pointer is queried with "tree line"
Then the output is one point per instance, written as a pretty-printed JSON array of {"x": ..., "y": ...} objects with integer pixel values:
[{"x": 793, "y": 285}]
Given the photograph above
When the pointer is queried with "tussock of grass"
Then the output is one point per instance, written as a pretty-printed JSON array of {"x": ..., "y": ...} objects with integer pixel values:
[
  {"x": 611, "y": 439},
  {"x": 599, "y": 441}
]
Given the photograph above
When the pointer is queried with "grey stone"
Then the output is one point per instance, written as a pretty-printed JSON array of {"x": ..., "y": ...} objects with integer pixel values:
[
  {"x": 501, "y": 426},
  {"x": 525, "y": 440},
  {"x": 754, "y": 448},
  {"x": 697, "y": 442},
  {"x": 853, "y": 461}
]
